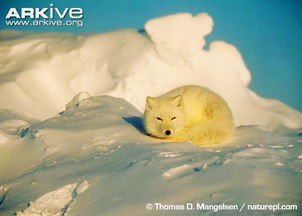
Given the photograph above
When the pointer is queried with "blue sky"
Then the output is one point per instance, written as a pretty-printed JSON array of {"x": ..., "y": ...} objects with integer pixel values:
[{"x": 268, "y": 33}]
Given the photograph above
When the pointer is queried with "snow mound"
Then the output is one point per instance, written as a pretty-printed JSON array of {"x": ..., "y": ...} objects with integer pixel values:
[
  {"x": 55, "y": 203},
  {"x": 100, "y": 144},
  {"x": 41, "y": 72},
  {"x": 52, "y": 203},
  {"x": 182, "y": 33}
]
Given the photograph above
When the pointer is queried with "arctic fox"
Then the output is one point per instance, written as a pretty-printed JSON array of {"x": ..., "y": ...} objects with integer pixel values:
[{"x": 189, "y": 113}]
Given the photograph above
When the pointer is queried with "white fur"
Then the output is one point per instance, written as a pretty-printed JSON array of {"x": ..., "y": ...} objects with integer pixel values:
[{"x": 189, "y": 113}]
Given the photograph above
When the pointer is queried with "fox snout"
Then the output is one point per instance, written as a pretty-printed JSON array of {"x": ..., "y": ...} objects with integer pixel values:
[{"x": 167, "y": 131}]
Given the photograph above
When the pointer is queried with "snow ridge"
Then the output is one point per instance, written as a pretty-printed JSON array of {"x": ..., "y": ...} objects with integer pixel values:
[
  {"x": 130, "y": 65},
  {"x": 55, "y": 203}
]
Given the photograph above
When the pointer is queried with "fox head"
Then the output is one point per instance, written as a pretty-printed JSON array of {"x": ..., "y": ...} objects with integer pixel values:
[{"x": 164, "y": 117}]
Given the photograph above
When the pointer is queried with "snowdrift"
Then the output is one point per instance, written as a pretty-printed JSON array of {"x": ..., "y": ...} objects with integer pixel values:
[
  {"x": 94, "y": 159},
  {"x": 41, "y": 72},
  {"x": 68, "y": 153}
]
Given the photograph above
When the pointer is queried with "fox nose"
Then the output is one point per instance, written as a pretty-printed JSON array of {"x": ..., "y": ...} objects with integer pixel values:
[{"x": 167, "y": 132}]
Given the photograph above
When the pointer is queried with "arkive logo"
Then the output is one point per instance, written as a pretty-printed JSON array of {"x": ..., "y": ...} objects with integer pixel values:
[{"x": 45, "y": 13}]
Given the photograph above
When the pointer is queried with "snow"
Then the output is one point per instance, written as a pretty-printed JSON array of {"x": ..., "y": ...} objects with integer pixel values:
[
  {"x": 3, "y": 138},
  {"x": 94, "y": 159},
  {"x": 72, "y": 140},
  {"x": 52, "y": 203},
  {"x": 165, "y": 32},
  {"x": 131, "y": 65},
  {"x": 55, "y": 203}
]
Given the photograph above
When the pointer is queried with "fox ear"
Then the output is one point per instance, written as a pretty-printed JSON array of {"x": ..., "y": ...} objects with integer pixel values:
[
  {"x": 178, "y": 101},
  {"x": 150, "y": 102}
]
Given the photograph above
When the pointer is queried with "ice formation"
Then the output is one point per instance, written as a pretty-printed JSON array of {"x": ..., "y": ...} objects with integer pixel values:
[
  {"x": 68, "y": 149},
  {"x": 41, "y": 72}
]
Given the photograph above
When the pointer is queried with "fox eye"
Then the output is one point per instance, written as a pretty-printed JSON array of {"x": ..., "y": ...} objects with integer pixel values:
[
  {"x": 160, "y": 119},
  {"x": 173, "y": 118}
]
